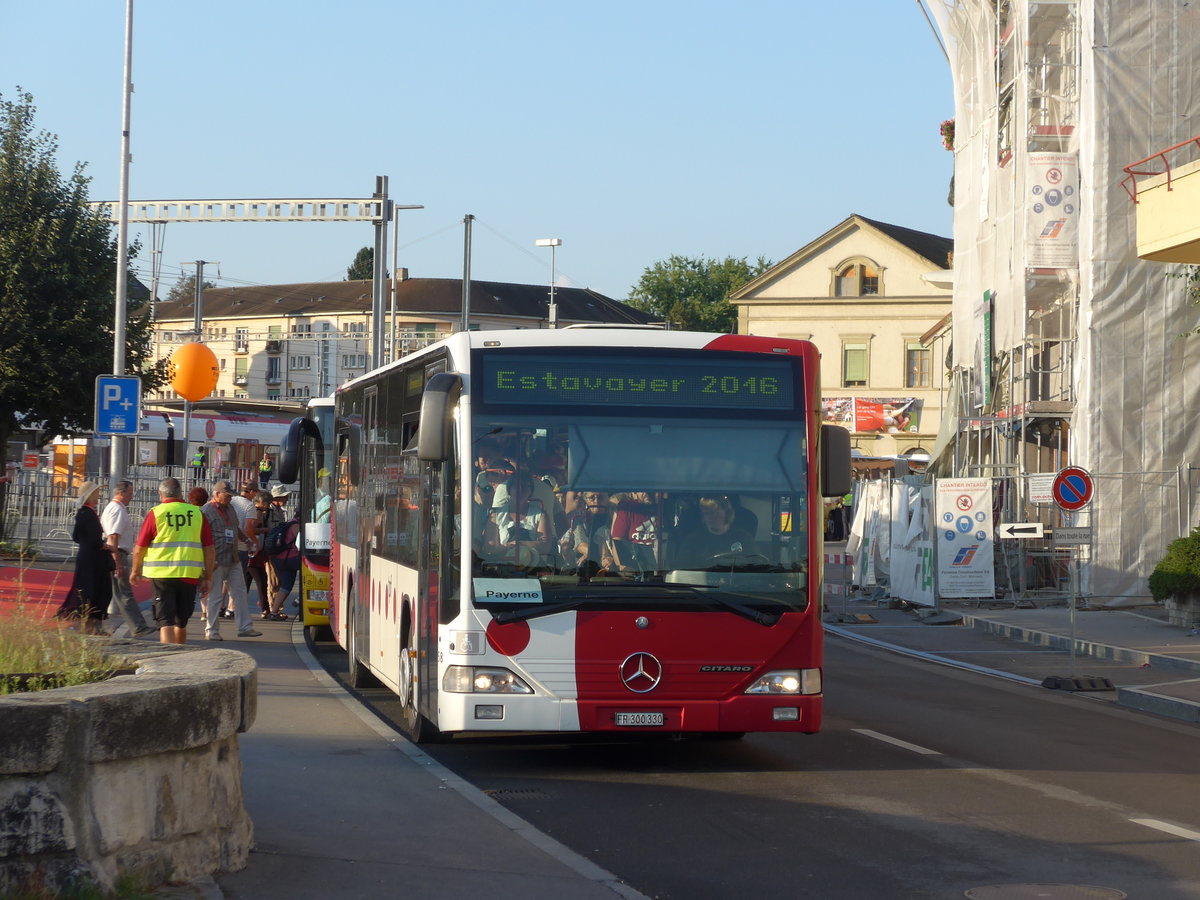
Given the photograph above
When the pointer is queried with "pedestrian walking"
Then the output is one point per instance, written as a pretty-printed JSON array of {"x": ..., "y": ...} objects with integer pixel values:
[
  {"x": 91, "y": 587},
  {"x": 259, "y": 565},
  {"x": 119, "y": 534},
  {"x": 247, "y": 515},
  {"x": 227, "y": 574},
  {"x": 175, "y": 545}
]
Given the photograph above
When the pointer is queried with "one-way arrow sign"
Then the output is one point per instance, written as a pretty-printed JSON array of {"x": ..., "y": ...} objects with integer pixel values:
[{"x": 1020, "y": 530}]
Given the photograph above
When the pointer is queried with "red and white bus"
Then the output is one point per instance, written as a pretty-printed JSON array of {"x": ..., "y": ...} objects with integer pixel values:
[{"x": 586, "y": 529}]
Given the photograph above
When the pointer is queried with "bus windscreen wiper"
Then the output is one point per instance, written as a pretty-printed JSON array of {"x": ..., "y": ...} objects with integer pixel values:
[
  {"x": 536, "y": 612},
  {"x": 765, "y": 619}
]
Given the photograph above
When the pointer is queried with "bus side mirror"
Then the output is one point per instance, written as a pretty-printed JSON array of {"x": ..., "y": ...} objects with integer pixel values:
[
  {"x": 435, "y": 436},
  {"x": 288, "y": 468},
  {"x": 836, "y": 480}
]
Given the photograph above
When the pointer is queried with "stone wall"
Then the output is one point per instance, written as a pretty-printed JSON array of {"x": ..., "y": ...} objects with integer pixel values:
[{"x": 138, "y": 774}]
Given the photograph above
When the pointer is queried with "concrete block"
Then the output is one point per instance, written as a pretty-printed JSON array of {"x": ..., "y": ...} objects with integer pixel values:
[{"x": 34, "y": 732}]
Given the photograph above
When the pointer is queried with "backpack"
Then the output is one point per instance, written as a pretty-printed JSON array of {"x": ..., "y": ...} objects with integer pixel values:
[{"x": 276, "y": 541}]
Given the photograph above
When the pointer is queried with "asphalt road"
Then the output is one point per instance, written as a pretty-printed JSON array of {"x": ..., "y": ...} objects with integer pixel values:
[{"x": 925, "y": 782}]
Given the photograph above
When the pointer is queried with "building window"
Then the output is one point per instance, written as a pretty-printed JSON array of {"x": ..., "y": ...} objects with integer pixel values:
[
  {"x": 241, "y": 369},
  {"x": 241, "y": 340},
  {"x": 854, "y": 364},
  {"x": 354, "y": 361},
  {"x": 274, "y": 332},
  {"x": 859, "y": 278},
  {"x": 299, "y": 362},
  {"x": 301, "y": 329},
  {"x": 273, "y": 393},
  {"x": 272, "y": 369},
  {"x": 918, "y": 365},
  {"x": 354, "y": 328}
]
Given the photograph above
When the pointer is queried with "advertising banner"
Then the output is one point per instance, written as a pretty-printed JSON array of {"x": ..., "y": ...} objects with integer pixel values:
[
  {"x": 873, "y": 415},
  {"x": 965, "y": 559}
]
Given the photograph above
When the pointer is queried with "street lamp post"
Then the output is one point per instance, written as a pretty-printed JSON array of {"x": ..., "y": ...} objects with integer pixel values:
[{"x": 553, "y": 244}]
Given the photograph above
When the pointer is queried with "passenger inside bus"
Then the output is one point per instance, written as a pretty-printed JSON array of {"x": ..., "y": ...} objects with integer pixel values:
[
  {"x": 518, "y": 529},
  {"x": 635, "y": 531},
  {"x": 586, "y": 545}
]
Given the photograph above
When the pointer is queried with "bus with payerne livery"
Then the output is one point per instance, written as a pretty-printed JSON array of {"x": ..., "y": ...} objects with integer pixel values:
[{"x": 583, "y": 530}]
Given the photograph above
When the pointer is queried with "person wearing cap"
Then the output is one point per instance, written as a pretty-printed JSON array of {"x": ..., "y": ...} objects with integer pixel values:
[
  {"x": 175, "y": 545},
  {"x": 91, "y": 587},
  {"x": 119, "y": 533},
  {"x": 227, "y": 537}
]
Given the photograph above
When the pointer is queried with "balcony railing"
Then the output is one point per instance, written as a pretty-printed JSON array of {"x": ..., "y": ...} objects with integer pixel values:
[
  {"x": 240, "y": 379},
  {"x": 274, "y": 346}
]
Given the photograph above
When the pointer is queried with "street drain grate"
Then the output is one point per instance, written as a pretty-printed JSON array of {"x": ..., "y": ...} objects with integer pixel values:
[
  {"x": 1044, "y": 892},
  {"x": 516, "y": 794}
]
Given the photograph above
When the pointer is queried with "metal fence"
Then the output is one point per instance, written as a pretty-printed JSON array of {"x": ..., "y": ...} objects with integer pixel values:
[{"x": 37, "y": 509}]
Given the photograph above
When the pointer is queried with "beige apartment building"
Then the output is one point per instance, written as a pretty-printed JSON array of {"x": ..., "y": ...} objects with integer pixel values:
[
  {"x": 875, "y": 299},
  {"x": 295, "y": 341}
]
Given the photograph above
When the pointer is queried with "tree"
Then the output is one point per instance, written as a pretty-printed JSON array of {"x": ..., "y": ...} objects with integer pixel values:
[
  {"x": 693, "y": 294},
  {"x": 363, "y": 267},
  {"x": 185, "y": 289},
  {"x": 57, "y": 292}
]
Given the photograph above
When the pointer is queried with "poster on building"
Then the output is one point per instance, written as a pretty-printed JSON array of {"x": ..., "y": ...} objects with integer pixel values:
[
  {"x": 873, "y": 415},
  {"x": 1052, "y": 211},
  {"x": 965, "y": 561}
]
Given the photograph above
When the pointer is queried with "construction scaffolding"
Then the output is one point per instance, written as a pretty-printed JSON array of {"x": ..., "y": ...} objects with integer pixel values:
[{"x": 1066, "y": 347}]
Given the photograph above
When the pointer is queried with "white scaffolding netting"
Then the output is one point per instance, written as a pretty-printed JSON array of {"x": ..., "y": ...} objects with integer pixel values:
[{"x": 1052, "y": 99}]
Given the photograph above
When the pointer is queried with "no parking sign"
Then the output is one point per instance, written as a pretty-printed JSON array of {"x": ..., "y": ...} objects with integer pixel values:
[{"x": 1073, "y": 488}]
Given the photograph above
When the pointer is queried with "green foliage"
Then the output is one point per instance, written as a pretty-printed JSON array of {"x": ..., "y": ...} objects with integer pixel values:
[
  {"x": 185, "y": 289},
  {"x": 363, "y": 267},
  {"x": 1190, "y": 275},
  {"x": 48, "y": 654},
  {"x": 693, "y": 294},
  {"x": 1179, "y": 571},
  {"x": 57, "y": 262}
]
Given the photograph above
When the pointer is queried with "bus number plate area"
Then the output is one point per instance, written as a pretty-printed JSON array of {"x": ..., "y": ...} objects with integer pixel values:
[{"x": 639, "y": 719}]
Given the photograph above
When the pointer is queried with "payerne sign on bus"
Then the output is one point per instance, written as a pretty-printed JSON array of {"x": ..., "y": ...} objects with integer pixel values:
[{"x": 630, "y": 379}]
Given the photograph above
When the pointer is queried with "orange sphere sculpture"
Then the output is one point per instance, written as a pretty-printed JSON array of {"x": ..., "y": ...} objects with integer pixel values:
[{"x": 193, "y": 371}]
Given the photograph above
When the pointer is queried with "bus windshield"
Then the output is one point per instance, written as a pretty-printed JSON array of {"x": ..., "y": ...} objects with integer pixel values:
[{"x": 683, "y": 509}]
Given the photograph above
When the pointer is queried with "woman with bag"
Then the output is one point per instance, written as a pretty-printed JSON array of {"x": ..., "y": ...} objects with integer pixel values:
[
  {"x": 90, "y": 593},
  {"x": 286, "y": 565}
]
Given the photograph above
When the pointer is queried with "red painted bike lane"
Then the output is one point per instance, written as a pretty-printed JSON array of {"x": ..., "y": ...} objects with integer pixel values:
[{"x": 37, "y": 592}]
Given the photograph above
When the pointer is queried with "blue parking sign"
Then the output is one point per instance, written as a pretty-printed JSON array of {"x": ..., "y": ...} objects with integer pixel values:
[{"x": 118, "y": 404}]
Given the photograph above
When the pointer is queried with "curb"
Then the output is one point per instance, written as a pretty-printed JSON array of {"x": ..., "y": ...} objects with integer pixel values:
[
  {"x": 1087, "y": 648},
  {"x": 1140, "y": 699}
]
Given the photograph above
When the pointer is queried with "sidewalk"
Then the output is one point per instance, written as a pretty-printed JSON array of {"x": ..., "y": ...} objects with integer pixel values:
[
  {"x": 343, "y": 806},
  {"x": 1153, "y": 666}
]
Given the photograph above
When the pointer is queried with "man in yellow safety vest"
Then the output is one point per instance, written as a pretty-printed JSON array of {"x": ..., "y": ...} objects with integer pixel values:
[{"x": 175, "y": 548}]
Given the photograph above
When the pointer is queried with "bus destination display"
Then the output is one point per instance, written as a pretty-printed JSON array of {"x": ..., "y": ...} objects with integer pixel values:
[{"x": 529, "y": 379}]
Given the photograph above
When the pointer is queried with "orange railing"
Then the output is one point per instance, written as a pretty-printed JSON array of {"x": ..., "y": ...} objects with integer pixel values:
[{"x": 1133, "y": 169}]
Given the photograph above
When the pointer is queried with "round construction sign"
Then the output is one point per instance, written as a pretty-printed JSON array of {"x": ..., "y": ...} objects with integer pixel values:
[{"x": 1072, "y": 488}]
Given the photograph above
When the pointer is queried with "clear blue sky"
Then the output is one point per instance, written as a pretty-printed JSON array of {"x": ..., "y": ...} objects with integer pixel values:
[{"x": 630, "y": 130}]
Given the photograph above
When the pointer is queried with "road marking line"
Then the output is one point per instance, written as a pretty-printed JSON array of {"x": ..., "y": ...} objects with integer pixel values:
[
  {"x": 1168, "y": 828},
  {"x": 896, "y": 742}
]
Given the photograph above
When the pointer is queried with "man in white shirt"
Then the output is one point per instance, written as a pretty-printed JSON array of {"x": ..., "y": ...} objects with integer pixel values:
[
  {"x": 243, "y": 502},
  {"x": 119, "y": 533}
]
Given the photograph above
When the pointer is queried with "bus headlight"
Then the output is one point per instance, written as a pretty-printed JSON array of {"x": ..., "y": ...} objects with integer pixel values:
[
  {"x": 788, "y": 681},
  {"x": 482, "y": 680}
]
